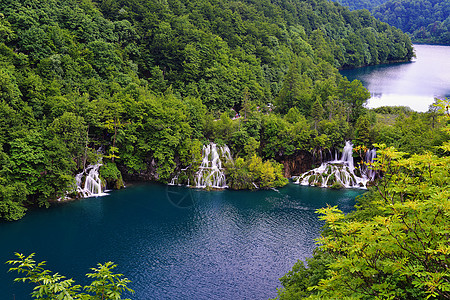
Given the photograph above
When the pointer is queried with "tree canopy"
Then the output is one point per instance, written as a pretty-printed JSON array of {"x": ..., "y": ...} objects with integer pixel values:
[
  {"x": 144, "y": 84},
  {"x": 395, "y": 245},
  {"x": 426, "y": 21}
]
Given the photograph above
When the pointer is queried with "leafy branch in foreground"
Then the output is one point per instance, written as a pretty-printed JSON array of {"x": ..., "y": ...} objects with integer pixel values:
[
  {"x": 394, "y": 246},
  {"x": 105, "y": 284}
]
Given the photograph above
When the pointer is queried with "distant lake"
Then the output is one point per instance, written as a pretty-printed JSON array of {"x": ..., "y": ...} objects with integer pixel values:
[
  {"x": 175, "y": 242},
  {"x": 414, "y": 84}
]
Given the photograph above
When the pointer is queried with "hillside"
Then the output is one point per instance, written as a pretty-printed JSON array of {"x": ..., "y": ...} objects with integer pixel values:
[
  {"x": 361, "y": 4},
  {"x": 145, "y": 84},
  {"x": 426, "y": 21}
]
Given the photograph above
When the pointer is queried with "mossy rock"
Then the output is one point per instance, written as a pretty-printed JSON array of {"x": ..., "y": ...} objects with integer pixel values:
[
  {"x": 319, "y": 179},
  {"x": 111, "y": 176},
  {"x": 331, "y": 180},
  {"x": 119, "y": 184},
  {"x": 337, "y": 186}
]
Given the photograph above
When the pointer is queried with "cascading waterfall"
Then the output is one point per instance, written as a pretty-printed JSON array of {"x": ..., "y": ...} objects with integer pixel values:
[
  {"x": 339, "y": 173},
  {"x": 210, "y": 173},
  {"x": 370, "y": 156},
  {"x": 92, "y": 186}
]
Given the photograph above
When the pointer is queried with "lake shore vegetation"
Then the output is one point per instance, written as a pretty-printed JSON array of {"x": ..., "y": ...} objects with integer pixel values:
[
  {"x": 144, "y": 85},
  {"x": 395, "y": 244}
]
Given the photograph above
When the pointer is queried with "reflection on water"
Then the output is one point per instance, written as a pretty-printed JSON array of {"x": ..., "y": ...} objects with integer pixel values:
[{"x": 414, "y": 84}]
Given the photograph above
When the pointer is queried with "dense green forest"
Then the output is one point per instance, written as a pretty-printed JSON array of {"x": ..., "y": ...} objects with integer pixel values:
[
  {"x": 426, "y": 21},
  {"x": 145, "y": 84},
  {"x": 362, "y": 4},
  {"x": 395, "y": 244}
]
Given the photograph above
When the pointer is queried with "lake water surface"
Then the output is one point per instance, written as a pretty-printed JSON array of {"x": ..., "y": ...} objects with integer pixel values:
[
  {"x": 414, "y": 84},
  {"x": 175, "y": 242}
]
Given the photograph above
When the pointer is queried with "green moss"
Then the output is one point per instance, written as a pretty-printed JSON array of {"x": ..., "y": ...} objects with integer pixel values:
[
  {"x": 111, "y": 174},
  {"x": 331, "y": 180},
  {"x": 337, "y": 185}
]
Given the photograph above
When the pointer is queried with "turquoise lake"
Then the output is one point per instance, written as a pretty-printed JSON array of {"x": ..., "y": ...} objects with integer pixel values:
[{"x": 175, "y": 242}]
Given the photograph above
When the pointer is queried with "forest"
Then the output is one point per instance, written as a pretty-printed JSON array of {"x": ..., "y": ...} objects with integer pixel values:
[
  {"x": 145, "y": 84},
  {"x": 426, "y": 21},
  {"x": 362, "y": 4},
  {"x": 395, "y": 244}
]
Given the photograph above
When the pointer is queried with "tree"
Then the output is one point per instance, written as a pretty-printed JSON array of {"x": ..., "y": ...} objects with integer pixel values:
[
  {"x": 71, "y": 129},
  {"x": 354, "y": 94},
  {"x": 401, "y": 251},
  {"x": 395, "y": 245},
  {"x": 12, "y": 197},
  {"x": 105, "y": 284},
  {"x": 362, "y": 130},
  {"x": 253, "y": 173},
  {"x": 316, "y": 112}
]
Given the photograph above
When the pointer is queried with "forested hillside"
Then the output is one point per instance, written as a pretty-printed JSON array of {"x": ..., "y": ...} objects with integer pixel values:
[
  {"x": 428, "y": 21},
  {"x": 144, "y": 84},
  {"x": 395, "y": 244},
  {"x": 362, "y": 4}
]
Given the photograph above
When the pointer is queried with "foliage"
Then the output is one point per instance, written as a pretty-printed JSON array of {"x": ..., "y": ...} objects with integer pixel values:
[
  {"x": 393, "y": 110},
  {"x": 105, "y": 284},
  {"x": 428, "y": 21},
  {"x": 394, "y": 246},
  {"x": 112, "y": 175},
  {"x": 362, "y": 4},
  {"x": 253, "y": 173},
  {"x": 143, "y": 83},
  {"x": 12, "y": 197},
  {"x": 413, "y": 133}
]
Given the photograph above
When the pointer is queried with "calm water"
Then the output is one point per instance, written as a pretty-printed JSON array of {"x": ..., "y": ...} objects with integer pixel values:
[
  {"x": 174, "y": 242},
  {"x": 413, "y": 84}
]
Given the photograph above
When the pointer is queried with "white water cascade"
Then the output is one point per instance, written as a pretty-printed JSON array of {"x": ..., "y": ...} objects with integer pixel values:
[
  {"x": 339, "y": 173},
  {"x": 370, "y": 156},
  {"x": 211, "y": 172},
  {"x": 92, "y": 186}
]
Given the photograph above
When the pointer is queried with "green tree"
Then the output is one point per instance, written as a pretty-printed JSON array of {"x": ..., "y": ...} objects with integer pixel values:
[
  {"x": 402, "y": 250},
  {"x": 316, "y": 112},
  {"x": 105, "y": 284},
  {"x": 12, "y": 200},
  {"x": 253, "y": 173},
  {"x": 394, "y": 245},
  {"x": 363, "y": 130}
]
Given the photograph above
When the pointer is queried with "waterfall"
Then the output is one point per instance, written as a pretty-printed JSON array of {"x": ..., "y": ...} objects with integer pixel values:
[
  {"x": 92, "y": 186},
  {"x": 370, "y": 156},
  {"x": 347, "y": 155},
  {"x": 339, "y": 173},
  {"x": 211, "y": 173}
]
